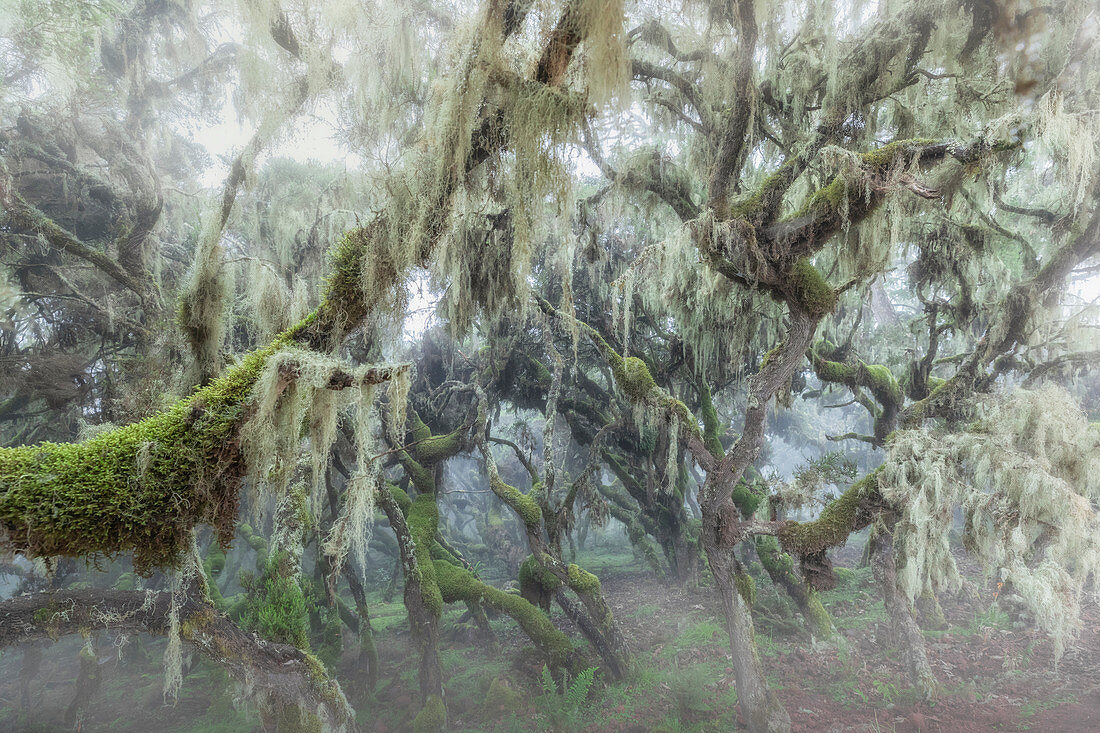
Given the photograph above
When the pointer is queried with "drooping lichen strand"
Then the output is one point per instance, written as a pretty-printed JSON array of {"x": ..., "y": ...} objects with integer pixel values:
[{"x": 1026, "y": 474}]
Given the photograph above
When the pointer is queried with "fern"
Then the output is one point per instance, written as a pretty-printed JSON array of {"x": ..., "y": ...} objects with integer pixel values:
[
  {"x": 577, "y": 692},
  {"x": 563, "y": 705},
  {"x": 548, "y": 684}
]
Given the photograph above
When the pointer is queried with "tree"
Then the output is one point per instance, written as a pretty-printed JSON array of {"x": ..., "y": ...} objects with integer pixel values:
[{"x": 762, "y": 172}]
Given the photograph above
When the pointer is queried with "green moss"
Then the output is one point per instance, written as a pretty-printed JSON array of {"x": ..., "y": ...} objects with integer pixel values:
[
  {"x": 711, "y": 428},
  {"x": 527, "y": 508},
  {"x": 289, "y": 718},
  {"x": 47, "y": 615},
  {"x": 276, "y": 606},
  {"x": 439, "y": 447},
  {"x": 423, "y": 518},
  {"x": 834, "y": 371},
  {"x": 634, "y": 379},
  {"x": 331, "y": 645},
  {"x": 345, "y": 301},
  {"x": 140, "y": 488},
  {"x": 215, "y": 561},
  {"x": 819, "y": 620},
  {"x": 811, "y": 289},
  {"x": 883, "y": 385},
  {"x": 197, "y": 623},
  {"x": 531, "y": 571},
  {"x": 829, "y": 200},
  {"x": 418, "y": 430},
  {"x": 459, "y": 584},
  {"x": 402, "y": 498},
  {"x": 888, "y": 154},
  {"x": 422, "y": 477},
  {"x": 837, "y": 520},
  {"x": 746, "y": 588},
  {"x": 424, "y": 523},
  {"x": 780, "y": 567},
  {"x": 750, "y": 207},
  {"x": 540, "y": 373},
  {"x": 747, "y": 498},
  {"x": 500, "y": 696},
  {"x": 432, "y": 717},
  {"x": 583, "y": 581}
]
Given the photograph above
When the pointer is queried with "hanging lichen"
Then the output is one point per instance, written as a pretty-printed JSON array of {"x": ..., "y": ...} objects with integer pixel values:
[
  {"x": 189, "y": 574},
  {"x": 1026, "y": 474},
  {"x": 354, "y": 524}
]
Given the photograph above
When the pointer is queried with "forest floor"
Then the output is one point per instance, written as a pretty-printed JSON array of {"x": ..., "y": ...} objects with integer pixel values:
[{"x": 997, "y": 672}]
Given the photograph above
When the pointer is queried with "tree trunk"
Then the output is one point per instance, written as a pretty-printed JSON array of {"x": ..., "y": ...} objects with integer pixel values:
[
  {"x": 904, "y": 626},
  {"x": 780, "y": 568},
  {"x": 760, "y": 709},
  {"x": 423, "y": 617}
]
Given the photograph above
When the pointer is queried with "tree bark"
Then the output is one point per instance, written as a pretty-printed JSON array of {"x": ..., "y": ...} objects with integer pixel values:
[{"x": 283, "y": 677}]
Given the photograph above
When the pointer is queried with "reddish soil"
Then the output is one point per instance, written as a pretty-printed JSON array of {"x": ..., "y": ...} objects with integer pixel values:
[{"x": 993, "y": 679}]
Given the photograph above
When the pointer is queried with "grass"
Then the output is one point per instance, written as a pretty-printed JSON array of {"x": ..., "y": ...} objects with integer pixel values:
[{"x": 1033, "y": 707}]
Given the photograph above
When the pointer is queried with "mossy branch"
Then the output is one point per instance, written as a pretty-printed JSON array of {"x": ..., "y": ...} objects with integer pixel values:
[
  {"x": 278, "y": 677},
  {"x": 631, "y": 375},
  {"x": 143, "y": 487},
  {"x": 877, "y": 379}
]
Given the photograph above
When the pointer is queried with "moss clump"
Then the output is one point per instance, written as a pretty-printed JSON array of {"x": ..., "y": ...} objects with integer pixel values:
[
  {"x": 634, "y": 379},
  {"x": 421, "y": 476},
  {"x": 527, "y": 508},
  {"x": 533, "y": 572},
  {"x": 746, "y": 588},
  {"x": 419, "y": 431},
  {"x": 437, "y": 448},
  {"x": 215, "y": 561},
  {"x": 432, "y": 717},
  {"x": 458, "y": 584},
  {"x": 423, "y": 519},
  {"x": 47, "y": 615},
  {"x": 814, "y": 294},
  {"x": 500, "y": 696},
  {"x": 583, "y": 581},
  {"x": 402, "y": 498},
  {"x": 889, "y": 154},
  {"x": 747, "y": 498},
  {"x": 838, "y": 520},
  {"x": 834, "y": 371},
  {"x": 828, "y": 201},
  {"x": 711, "y": 427}
]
